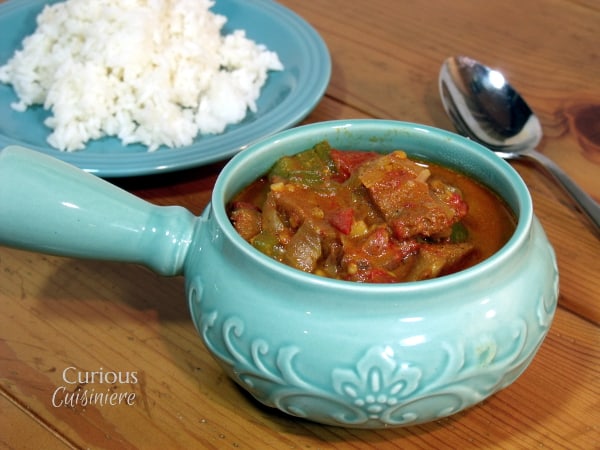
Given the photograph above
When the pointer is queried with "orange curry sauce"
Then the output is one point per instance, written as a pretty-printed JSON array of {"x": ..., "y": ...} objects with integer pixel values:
[{"x": 370, "y": 217}]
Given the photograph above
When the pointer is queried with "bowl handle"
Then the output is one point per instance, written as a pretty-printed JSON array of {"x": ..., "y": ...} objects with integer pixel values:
[{"x": 49, "y": 206}]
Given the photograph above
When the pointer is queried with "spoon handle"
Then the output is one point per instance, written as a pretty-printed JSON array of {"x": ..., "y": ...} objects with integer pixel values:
[{"x": 586, "y": 203}]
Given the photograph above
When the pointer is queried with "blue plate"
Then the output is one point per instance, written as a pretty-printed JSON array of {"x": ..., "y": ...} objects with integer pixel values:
[{"x": 286, "y": 98}]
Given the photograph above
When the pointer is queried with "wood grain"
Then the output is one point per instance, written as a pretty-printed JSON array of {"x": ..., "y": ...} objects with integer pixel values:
[
  {"x": 100, "y": 316},
  {"x": 94, "y": 315}
]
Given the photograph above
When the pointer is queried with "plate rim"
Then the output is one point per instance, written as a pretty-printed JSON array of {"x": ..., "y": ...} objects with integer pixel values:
[{"x": 300, "y": 103}]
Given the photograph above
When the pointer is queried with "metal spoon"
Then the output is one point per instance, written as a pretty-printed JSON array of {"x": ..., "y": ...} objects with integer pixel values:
[{"x": 485, "y": 108}]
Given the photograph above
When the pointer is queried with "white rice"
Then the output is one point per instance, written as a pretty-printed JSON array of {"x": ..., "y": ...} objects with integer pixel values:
[{"x": 156, "y": 72}]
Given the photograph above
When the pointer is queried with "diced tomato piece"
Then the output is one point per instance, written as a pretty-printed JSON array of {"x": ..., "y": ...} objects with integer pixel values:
[
  {"x": 374, "y": 276},
  {"x": 459, "y": 205},
  {"x": 346, "y": 162},
  {"x": 342, "y": 220},
  {"x": 381, "y": 276}
]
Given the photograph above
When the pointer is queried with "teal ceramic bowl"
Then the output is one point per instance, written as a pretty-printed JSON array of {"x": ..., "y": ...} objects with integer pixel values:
[{"x": 334, "y": 352}]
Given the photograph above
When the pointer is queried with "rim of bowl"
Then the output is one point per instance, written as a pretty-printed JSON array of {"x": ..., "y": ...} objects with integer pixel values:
[{"x": 255, "y": 160}]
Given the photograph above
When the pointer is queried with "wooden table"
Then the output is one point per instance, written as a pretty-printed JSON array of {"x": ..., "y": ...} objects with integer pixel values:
[{"x": 96, "y": 316}]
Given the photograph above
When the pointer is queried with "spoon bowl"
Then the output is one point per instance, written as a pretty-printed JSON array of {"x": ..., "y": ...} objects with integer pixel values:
[{"x": 486, "y": 108}]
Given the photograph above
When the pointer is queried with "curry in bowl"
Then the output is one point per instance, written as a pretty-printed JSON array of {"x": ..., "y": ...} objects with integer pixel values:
[
  {"x": 370, "y": 217},
  {"x": 309, "y": 345}
]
